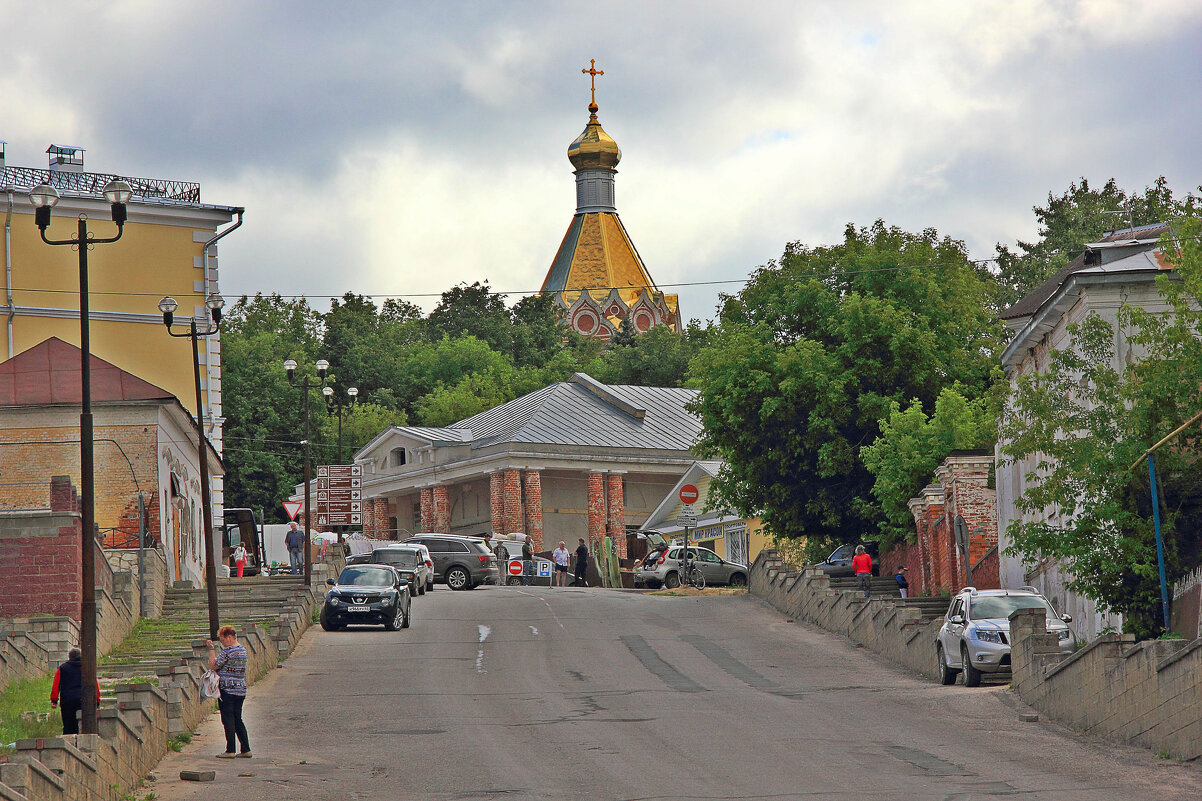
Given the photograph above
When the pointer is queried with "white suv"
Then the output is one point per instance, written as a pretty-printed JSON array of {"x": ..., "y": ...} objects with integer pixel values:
[
  {"x": 975, "y": 636},
  {"x": 662, "y": 566}
]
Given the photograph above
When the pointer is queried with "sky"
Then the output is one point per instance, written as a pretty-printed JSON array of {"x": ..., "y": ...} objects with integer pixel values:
[{"x": 396, "y": 149}]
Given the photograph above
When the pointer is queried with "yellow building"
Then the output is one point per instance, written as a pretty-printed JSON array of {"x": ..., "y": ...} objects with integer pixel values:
[
  {"x": 734, "y": 538},
  {"x": 597, "y": 277},
  {"x": 168, "y": 248}
]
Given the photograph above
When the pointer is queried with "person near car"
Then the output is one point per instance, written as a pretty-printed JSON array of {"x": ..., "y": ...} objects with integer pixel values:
[
  {"x": 581, "y": 564},
  {"x": 230, "y": 664},
  {"x": 903, "y": 586},
  {"x": 527, "y": 561},
  {"x": 560, "y": 556},
  {"x": 294, "y": 541},
  {"x": 240, "y": 559},
  {"x": 861, "y": 565},
  {"x": 67, "y": 689}
]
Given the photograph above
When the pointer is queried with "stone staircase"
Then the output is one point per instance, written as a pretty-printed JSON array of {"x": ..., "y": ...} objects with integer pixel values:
[
  {"x": 886, "y": 587},
  {"x": 154, "y": 646}
]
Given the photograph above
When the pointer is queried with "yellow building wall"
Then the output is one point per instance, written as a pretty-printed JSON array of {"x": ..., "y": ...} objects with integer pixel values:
[{"x": 150, "y": 260}]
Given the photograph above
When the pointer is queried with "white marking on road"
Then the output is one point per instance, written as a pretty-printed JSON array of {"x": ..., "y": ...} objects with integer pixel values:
[
  {"x": 534, "y": 631},
  {"x": 484, "y": 632},
  {"x": 545, "y": 601}
]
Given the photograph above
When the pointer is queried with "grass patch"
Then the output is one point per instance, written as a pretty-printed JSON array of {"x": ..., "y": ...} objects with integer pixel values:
[
  {"x": 28, "y": 695},
  {"x": 178, "y": 742}
]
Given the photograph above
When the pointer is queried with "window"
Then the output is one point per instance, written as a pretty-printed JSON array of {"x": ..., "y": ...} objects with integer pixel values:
[
  {"x": 397, "y": 457},
  {"x": 707, "y": 556},
  {"x": 457, "y": 547}
]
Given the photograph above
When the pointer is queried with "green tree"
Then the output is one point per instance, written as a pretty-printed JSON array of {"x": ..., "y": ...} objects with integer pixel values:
[
  {"x": 658, "y": 357},
  {"x": 1071, "y": 220},
  {"x": 473, "y": 310},
  {"x": 1077, "y": 429},
  {"x": 538, "y": 333},
  {"x": 912, "y": 444},
  {"x": 812, "y": 353}
]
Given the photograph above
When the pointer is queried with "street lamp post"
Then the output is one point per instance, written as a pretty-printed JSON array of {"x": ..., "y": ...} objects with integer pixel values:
[
  {"x": 335, "y": 406},
  {"x": 214, "y": 304},
  {"x": 44, "y": 197},
  {"x": 305, "y": 386}
]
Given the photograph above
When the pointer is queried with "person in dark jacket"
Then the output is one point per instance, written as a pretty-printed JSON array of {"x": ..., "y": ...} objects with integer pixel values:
[
  {"x": 68, "y": 688},
  {"x": 527, "y": 561},
  {"x": 903, "y": 586},
  {"x": 581, "y": 564}
]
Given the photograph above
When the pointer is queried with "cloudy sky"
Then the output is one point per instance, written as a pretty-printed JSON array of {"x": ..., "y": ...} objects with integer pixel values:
[{"x": 398, "y": 148}]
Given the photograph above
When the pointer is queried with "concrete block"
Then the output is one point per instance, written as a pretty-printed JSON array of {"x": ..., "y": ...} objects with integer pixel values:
[{"x": 198, "y": 775}]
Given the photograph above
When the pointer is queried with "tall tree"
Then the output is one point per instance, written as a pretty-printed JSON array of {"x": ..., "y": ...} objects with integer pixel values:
[
  {"x": 809, "y": 357},
  {"x": 473, "y": 310}
]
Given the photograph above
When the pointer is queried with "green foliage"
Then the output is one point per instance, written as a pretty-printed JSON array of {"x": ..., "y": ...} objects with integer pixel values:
[
  {"x": 1076, "y": 430},
  {"x": 1079, "y": 216},
  {"x": 472, "y": 311},
  {"x": 813, "y": 353},
  {"x": 28, "y": 695},
  {"x": 912, "y": 444}
]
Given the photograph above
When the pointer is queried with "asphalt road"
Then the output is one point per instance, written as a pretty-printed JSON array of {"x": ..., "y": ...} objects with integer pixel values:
[{"x": 591, "y": 694}]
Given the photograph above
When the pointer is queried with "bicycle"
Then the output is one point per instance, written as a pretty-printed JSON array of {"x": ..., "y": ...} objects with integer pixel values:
[{"x": 690, "y": 574}]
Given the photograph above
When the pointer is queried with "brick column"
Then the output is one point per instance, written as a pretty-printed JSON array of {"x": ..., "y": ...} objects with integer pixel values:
[
  {"x": 534, "y": 509},
  {"x": 496, "y": 502},
  {"x": 513, "y": 501},
  {"x": 441, "y": 509},
  {"x": 427, "y": 508},
  {"x": 596, "y": 509},
  {"x": 615, "y": 512}
]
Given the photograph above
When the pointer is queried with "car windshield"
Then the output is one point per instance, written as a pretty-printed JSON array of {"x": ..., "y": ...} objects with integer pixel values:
[
  {"x": 398, "y": 558},
  {"x": 365, "y": 577},
  {"x": 992, "y": 607}
]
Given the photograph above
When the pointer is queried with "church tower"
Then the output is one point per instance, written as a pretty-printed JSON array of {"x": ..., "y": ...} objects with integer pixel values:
[{"x": 597, "y": 277}]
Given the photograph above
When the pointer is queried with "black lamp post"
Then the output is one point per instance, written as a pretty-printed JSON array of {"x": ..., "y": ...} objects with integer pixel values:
[
  {"x": 305, "y": 386},
  {"x": 335, "y": 406},
  {"x": 214, "y": 304},
  {"x": 44, "y": 197}
]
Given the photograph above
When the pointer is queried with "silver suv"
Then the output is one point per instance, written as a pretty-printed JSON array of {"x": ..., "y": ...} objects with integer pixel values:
[
  {"x": 975, "y": 636},
  {"x": 662, "y": 567}
]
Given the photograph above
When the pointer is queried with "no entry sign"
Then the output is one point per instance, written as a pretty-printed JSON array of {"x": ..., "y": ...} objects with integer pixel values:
[
  {"x": 515, "y": 567},
  {"x": 689, "y": 494}
]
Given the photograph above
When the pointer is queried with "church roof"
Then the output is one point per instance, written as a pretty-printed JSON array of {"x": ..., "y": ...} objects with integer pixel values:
[
  {"x": 582, "y": 412},
  {"x": 48, "y": 373},
  {"x": 596, "y": 254}
]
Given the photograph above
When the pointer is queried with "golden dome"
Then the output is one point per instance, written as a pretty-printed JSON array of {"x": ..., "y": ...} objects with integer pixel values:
[{"x": 594, "y": 148}]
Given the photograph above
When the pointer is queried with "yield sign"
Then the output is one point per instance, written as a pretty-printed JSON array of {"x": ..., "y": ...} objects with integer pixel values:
[{"x": 292, "y": 507}]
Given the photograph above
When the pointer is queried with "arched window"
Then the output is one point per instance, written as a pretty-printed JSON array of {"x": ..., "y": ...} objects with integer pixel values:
[{"x": 397, "y": 457}]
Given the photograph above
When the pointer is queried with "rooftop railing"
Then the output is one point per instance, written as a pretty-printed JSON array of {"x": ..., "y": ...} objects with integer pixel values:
[{"x": 92, "y": 183}]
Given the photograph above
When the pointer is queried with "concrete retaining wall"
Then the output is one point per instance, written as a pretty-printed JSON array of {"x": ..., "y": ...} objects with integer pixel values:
[
  {"x": 1147, "y": 693},
  {"x": 884, "y": 626}
]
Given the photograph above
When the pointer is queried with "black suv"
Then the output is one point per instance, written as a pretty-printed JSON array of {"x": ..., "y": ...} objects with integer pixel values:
[
  {"x": 462, "y": 563},
  {"x": 367, "y": 594}
]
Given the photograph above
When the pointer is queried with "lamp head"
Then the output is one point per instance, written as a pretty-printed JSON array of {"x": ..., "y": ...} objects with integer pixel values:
[
  {"x": 353, "y": 392},
  {"x": 117, "y": 193},
  {"x": 43, "y": 197},
  {"x": 322, "y": 367},
  {"x": 215, "y": 304},
  {"x": 327, "y": 391},
  {"x": 290, "y": 369},
  {"x": 168, "y": 306}
]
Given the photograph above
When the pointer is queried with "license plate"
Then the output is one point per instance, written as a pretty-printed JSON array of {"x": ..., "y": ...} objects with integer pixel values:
[{"x": 358, "y": 609}]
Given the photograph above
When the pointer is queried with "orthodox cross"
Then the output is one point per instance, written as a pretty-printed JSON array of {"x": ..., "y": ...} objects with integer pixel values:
[{"x": 593, "y": 72}]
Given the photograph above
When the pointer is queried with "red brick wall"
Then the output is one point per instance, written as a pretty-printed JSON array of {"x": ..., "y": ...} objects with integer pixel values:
[
  {"x": 40, "y": 564},
  {"x": 596, "y": 510},
  {"x": 440, "y": 507},
  {"x": 427, "y": 508},
  {"x": 615, "y": 513},
  {"x": 986, "y": 573},
  {"x": 514, "y": 518},
  {"x": 496, "y": 502},
  {"x": 534, "y": 509},
  {"x": 910, "y": 555}
]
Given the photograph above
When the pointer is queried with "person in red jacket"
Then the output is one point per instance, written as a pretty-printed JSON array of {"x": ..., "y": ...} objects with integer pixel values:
[
  {"x": 68, "y": 680},
  {"x": 861, "y": 565}
]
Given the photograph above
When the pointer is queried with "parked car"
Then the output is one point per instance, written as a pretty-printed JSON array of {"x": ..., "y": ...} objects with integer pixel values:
[
  {"x": 975, "y": 636},
  {"x": 429, "y": 564},
  {"x": 408, "y": 560},
  {"x": 367, "y": 594},
  {"x": 661, "y": 567},
  {"x": 510, "y": 548},
  {"x": 839, "y": 562},
  {"x": 462, "y": 563}
]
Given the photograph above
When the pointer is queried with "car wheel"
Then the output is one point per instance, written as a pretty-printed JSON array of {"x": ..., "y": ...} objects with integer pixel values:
[
  {"x": 514, "y": 581},
  {"x": 972, "y": 676},
  {"x": 458, "y": 579},
  {"x": 738, "y": 580},
  {"x": 430, "y": 586},
  {"x": 947, "y": 675},
  {"x": 396, "y": 621},
  {"x": 328, "y": 626},
  {"x": 408, "y": 611},
  {"x": 672, "y": 581}
]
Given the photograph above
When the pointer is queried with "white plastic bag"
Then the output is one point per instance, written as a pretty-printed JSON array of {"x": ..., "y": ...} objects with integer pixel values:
[{"x": 210, "y": 684}]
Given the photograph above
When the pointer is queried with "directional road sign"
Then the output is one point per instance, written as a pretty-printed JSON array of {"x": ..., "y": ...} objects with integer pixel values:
[
  {"x": 339, "y": 495},
  {"x": 687, "y": 515}
]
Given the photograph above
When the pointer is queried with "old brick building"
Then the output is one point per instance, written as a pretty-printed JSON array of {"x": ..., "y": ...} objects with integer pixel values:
[
  {"x": 575, "y": 459},
  {"x": 145, "y": 442}
]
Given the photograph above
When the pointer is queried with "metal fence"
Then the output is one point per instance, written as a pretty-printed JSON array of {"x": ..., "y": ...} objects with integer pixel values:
[{"x": 93, "y": 183}]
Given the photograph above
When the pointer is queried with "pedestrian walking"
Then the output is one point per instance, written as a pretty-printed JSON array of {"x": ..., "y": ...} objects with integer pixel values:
[
  {"x": 903, "y": 586},
  {"x": 581, "y": 565},
  {"x": 861, "y": 565},
  {"x": 294, "y": 540},
  {"x": 560, "y": 556},
  {"x": 230, "y": 664},
  {"x": 240, "y": 558},
  {"x": 68, "y": 689},
  {"x": 527, "y": 561}
]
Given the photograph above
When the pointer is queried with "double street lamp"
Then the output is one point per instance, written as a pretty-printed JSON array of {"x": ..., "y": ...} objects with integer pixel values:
[
  {"x": 214, "y": 303},
  {"x": 322, "y": 367},
  {"x": 44, "y": 197},
  {"x": 336, "y": 405}
]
